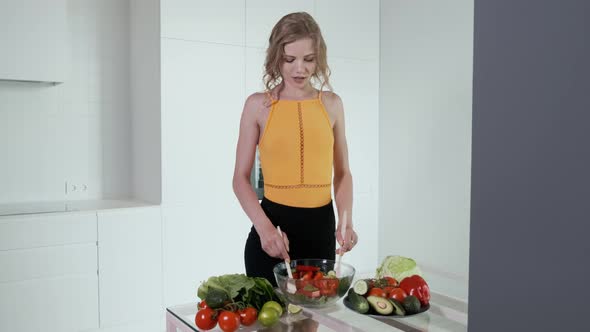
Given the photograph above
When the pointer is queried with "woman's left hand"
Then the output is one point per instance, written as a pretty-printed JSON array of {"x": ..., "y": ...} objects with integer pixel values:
[{"x": 347, "y": 242}]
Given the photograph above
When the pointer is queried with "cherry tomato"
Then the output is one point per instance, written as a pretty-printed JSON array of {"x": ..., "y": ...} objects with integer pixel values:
[
  {"x": 228, "y": 321},
  {"x": 202, "y": 305},
  {"x": 376, "y": 291},
  {"x": 205, "y": 319},
  {"x": 248, "y": 316},
  {"x": 308, "y": 275},
  {"x": 397, "y": 294}
]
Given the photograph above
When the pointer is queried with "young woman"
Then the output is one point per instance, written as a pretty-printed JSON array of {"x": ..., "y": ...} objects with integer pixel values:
[{"x": 299, "y": 131}]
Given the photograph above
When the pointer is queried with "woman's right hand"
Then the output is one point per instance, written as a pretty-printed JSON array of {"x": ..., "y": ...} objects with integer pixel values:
[{"x": 272, "y": 243}]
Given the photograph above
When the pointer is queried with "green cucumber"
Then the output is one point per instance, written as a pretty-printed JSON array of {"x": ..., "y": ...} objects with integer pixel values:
[
  {"x": 216, "y": 298},
  {"x": 411, "y": 304},
  {"x": 398, "y": 308},
  {"x": 357, "y": 302},
  {"x": 361, "y": 287}
]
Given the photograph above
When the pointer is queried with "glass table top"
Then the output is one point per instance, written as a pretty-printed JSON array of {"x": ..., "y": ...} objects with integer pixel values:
[{"x": 445, "y": 314}]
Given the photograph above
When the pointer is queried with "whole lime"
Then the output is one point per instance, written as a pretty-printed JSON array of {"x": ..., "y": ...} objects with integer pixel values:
[
  {"x": 273, "y": 305},
  {"x": 268, "y": 316}
]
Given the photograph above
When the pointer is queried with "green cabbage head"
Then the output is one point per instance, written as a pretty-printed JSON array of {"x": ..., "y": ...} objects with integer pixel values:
[{"x": 398, "y": 267}]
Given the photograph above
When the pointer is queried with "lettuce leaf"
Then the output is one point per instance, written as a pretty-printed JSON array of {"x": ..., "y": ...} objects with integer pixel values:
[
  {"x": 240, "y": 288},
  {"x": 234, "y": 283}
]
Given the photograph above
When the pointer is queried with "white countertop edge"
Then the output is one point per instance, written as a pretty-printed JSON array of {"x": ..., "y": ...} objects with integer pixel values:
[{"x": 58, "y": 207}]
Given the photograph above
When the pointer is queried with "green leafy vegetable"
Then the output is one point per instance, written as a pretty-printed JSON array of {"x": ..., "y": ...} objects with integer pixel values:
[
  {"x": 241, "y": 289},
  {"x": 398, "y": 267}
]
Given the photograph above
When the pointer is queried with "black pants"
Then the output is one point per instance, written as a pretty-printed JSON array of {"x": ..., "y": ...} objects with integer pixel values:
[{"x": 310, "y": 232}]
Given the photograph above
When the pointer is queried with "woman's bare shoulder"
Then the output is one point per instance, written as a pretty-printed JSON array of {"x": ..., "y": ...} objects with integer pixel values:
[
  {"x": 256, "y": 100},
  {"x": 331, "y": 97},
  {"x": 332, "y": 101},
  {"x": 256, "y": 104}
]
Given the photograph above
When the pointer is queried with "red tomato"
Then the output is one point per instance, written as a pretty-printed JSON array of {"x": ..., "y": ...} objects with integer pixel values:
[
  {"x": 248, "y": 316},
  {"x": 308, "y": 275},
  {"x": 318, "y": 275},
  {"x": 391, "y": 281},
  {"x": 376, "y": 291},
  {"x": 205, "y": 319},
  {"x": 388, "y": 290},
  {"x": 202, "y": 305},
  {"x": 228, "y": 321},
  {"x": 397, "y": 294}
]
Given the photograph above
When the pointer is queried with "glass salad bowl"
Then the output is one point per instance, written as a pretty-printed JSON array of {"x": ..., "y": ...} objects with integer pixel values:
[{"x": 316, "y": 283}]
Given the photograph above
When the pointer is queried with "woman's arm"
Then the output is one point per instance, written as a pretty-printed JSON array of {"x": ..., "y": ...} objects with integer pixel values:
[
  {"x": 342, "y": 175},
  {"x": 270, "y": 240}
]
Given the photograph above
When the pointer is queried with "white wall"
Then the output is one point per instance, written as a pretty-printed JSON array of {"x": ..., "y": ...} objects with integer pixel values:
[
  {"x": 212, "y": 56},
  {"x": 78, "y": 131},
  {"x": 144, "y": 27},
  {"x": 425, "y": 137}
]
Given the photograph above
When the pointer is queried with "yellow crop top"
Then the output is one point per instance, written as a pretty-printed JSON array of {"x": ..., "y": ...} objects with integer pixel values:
[{"x": 296, "y": 153}]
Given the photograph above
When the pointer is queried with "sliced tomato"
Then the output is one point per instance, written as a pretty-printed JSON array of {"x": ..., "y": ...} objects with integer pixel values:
[
  {"x": 318, "y": 275},
  {"x": 307, "y": 268},
  {"x": 327, "y": 286},
  {"x": 314, "y": 292},
  {"x": 300, "y": 283}
]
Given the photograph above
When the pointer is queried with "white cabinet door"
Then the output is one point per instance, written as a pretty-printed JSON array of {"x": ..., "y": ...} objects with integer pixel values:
[
  {"x": 130, "y": 265},
  {"x": 33, "y": 40},
  {"x": 48, "y": 279},
  {"x": 65, "y": 304}
]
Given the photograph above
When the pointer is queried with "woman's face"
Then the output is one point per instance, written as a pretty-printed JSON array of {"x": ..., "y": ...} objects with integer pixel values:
[{"x": 299, "y": 63}]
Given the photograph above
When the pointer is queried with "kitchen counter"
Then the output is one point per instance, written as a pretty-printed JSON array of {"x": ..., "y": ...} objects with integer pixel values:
[
  {"x": 30, "y": 208},
  {"x": 445, "y": 314}
]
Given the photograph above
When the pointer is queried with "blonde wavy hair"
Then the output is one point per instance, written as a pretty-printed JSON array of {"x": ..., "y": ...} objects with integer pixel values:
[{"x": 288, "y": 29}]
